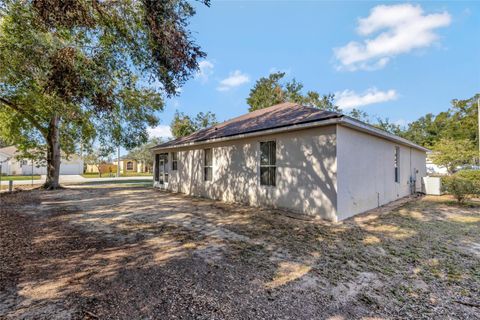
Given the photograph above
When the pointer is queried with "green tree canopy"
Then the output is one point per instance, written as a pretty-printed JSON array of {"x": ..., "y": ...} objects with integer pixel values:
[
  {"x": 75, "y": 71},
  {"x": 271, "y": 90},
  {"x": 452, "y": 153},
  {"x": 457, "y": 123},
  {"x": 182, "y": 125}
]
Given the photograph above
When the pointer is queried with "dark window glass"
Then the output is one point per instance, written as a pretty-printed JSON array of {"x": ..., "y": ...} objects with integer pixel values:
[
  {"x": 397, "y": 164},
  {"x": 157, "y": 165},
  {"x": 268, "y": 160},
  {"x": 207, "y": 165},
  {"x": 174, "y": 161}
]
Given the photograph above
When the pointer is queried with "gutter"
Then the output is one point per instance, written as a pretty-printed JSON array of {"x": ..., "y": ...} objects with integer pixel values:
[
  {"x": 295, "y": 127},
  {"x": 344, "y": 121},
  {"x": 363, "y": 127}
]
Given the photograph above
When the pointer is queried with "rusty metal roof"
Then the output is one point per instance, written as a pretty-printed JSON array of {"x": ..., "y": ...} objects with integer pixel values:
[{"x": 277, "y": 116}]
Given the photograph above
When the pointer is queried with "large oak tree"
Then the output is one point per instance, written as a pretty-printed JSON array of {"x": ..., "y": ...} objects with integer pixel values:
[{"x": 73, "y": 71}]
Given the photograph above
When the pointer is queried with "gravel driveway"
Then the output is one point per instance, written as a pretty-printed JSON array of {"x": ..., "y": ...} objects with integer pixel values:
[{"x": 115, "y": 252}]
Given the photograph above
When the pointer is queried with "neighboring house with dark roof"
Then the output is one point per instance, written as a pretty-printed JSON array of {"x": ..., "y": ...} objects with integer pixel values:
[
  {"x": 12, "y": 164},
  {"x": 312, "y": 162}
]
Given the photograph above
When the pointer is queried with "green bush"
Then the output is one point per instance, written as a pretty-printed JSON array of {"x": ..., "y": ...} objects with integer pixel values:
[
  {"x": 471, "y": 175},
  {"x": 460, "y": 187}
]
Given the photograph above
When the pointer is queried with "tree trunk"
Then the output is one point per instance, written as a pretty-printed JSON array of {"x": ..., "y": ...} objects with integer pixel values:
[{"x": 53, "y": 154}]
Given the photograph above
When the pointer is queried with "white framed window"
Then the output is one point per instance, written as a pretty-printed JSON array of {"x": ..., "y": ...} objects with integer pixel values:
[
  {"x": 174, "y": 161},
  {"x": 397, "y": 164},
  {"x": 207, "y": 165},
  {"x": 129, "y": 165},
  {"x": 268, "y": 163}
]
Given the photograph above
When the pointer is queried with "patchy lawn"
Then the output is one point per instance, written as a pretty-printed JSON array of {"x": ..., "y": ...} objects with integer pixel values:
[
  {"x": 113, "y": 175},
  {"x": 122, "y": 253},
  {"x": 18, "y": 178}
]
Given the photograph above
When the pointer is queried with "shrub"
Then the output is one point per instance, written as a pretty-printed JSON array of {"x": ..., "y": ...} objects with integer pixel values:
[
  {"x": 461, "y": 188},
  {"x": 107, "y": 168},
  {"x": 471, "y": 175}
]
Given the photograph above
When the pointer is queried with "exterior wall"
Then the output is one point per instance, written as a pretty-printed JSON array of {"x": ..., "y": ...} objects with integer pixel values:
[
  {"x": 26, "y": 169},
  {"x": 91, "y": 169},
  {"x": 141, "y": 166},
  {"x": 72, "y": 166},
  {"x": 123, "y": 165},
  {"x": 306, "y": 172},
  {"x": 16, "y": 166},
  {"x": 366, "y": 175}
]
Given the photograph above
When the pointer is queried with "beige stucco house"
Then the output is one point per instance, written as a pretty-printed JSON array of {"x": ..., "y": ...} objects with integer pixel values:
[
  {"x": 308, "y": 161},
  {"x": 130, "y": 165}
]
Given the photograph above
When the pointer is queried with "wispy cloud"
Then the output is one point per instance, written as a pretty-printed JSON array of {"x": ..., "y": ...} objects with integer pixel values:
[
  {"x": 399, "y": 29},
  {"x": 235, "y": 79},
  {"x": 160, "y": 131},
  {"x": 350, "y": 99},
  {"x": 205, "y": 70}
]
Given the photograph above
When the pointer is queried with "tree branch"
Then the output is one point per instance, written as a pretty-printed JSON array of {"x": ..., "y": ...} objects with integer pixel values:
[{"x": 29, "y": 117}]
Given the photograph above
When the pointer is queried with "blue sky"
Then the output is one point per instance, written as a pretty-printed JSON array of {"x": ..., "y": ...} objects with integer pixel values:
[{"x": 399, "y": 60}]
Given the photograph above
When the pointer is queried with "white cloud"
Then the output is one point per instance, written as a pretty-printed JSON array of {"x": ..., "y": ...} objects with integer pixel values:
[
  {"x": 160, "y": 131},
  {"x": 205, "y": 70},
  {"x": 350, "y": 99},
  {"x": 235, "y": 79},
  {"x": 394, "y": 29}
]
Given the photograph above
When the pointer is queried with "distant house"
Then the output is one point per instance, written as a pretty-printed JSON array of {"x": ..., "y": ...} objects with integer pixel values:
[
  {"x": 12, "y": 165},
  {"x": 313, "y": 162},
  {"x": 130, "y": 165}
]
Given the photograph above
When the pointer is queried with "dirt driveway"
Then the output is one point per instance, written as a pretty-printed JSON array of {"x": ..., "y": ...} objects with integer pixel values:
[{"x": 129, "y": 253}]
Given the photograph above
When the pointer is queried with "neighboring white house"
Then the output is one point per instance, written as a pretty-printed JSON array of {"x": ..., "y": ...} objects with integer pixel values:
[
  {"x": 11, "y": 165},
  {"x": 313, "y": 162},
  {"x": 434, "y": 169}
]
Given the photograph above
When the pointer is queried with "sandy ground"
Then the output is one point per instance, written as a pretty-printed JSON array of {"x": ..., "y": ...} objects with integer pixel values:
[{"x": 119, "y": 252}]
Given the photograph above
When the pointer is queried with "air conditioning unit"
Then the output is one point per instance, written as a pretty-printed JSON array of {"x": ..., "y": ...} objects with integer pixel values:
[{"x": 433, "y": 185}]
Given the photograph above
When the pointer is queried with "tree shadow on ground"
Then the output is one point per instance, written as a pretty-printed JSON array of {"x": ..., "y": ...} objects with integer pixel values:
[{"x": 118, "y": 252}]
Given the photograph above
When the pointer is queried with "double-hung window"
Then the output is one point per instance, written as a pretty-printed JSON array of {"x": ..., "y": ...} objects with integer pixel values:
[
  {"x": 174, "y": 161},
  {"x": 207, "y": 164},
  {"x": 268, "y": 159},
  {"x": 397, "y": 164}
]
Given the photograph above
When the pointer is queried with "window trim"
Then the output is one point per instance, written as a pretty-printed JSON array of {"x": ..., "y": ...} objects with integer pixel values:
[
  {"x": 126, "y": 166},
  {"x": 174, "y": 166},
  {"x": 205, "y": 166},
  {"x": 274, "y": 166}
]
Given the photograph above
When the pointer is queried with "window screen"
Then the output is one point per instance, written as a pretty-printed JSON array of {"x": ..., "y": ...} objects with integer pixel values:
[
  {"x": 174, "y": 161},
  {"x": 397, "y": 164},
  {"x": 207, "y": 167},
  {"x": 268, "y": 161}
]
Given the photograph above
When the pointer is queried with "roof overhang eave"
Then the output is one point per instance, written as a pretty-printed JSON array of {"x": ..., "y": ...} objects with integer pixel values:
[
  {"x": 295, "y": 127},
  {"x": 363, "y": 127},
  {"x": 344, "y": 121}
]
